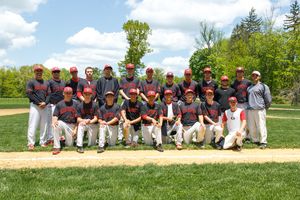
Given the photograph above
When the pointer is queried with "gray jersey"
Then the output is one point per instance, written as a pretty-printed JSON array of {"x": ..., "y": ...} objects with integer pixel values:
[{"x": 259, "y": 96}]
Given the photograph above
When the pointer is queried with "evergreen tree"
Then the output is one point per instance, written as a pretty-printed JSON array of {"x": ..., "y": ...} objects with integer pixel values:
[{"x": 292, "y": 23}]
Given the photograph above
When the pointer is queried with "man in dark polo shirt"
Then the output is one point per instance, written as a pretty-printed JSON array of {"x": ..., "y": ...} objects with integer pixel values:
[
  {"x": 170, "y": 85},
  {"x": 87, "y": 82},
  {"x": 187, "y": 83},
  {"x": 206, "y": 83},
  {"x": 149, "y": 85},
  {"x": 223, "y": 93}
]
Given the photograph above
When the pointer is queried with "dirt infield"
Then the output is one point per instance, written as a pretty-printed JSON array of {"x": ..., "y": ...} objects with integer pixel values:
[
  {"x": 141, "y": 157},
  {"x": 14, "y": 111}
]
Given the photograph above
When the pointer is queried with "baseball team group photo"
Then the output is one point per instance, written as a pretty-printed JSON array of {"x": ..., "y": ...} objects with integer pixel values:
[{"x": 149, "y": 99}]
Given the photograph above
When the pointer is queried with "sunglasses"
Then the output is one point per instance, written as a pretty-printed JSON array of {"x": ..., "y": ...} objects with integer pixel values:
[{"x": 56, "y": 72}]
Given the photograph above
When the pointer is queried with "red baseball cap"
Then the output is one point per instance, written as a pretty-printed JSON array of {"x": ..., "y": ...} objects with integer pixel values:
[
  {"x": 150, "y": 93},
  {"x": 68, "y": 89},
  {"x": 55, "y": 69},
  {"x": 88, "y": 90},
  {"x": 170, "y": 74},
  {"x": 189, "y": 91},
  {"x": 187, "y": 71},
  {"x": 240, "y": 69},
  {"x": 207, "y": 69},
  {"x": 73, "y": 69},
  {"x": 149, "y": 69},
  {"x": 130, "y": 66},
  {"x": 224, "y": 78},
  {"x": 132, "y": 91},
  {"x": 37, "y": 67},
  {"x": 109, "y": 93},
  {"x": 168, "y": 92},
  {"x": 107, "y": 66},
  {"x": 232, "y": 99},
  {"x": 209, "y": 91}
]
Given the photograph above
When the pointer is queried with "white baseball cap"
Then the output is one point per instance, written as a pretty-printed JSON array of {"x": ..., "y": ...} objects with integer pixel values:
[{"x": 256, "y": 72}]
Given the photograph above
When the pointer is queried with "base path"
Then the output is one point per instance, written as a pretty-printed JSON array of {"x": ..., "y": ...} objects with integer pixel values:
[
  {"x": 14, "y": 111},
  {"x": 141, "y": 157}
]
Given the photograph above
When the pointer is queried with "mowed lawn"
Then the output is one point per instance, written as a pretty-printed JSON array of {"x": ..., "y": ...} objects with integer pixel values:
[
  {"x": 282, "y": 133},
  {"x": 207, "y": 181}
]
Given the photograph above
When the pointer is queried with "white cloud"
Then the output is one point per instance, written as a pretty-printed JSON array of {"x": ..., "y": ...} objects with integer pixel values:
[
  {"x": 185, "y": 15},
  {"x": 19, "y": 6}
]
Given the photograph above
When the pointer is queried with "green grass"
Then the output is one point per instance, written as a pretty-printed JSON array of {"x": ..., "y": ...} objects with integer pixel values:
[
  {"x": 285, "y": 106},
  {"x": 282, "y": 133},
  {"x": 207, "y": 181},
  {"x": 10, "y": 103},
  {"x": 285, "y": 113}
]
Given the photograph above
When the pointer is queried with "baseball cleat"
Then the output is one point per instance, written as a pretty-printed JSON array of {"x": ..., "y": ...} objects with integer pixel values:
[
  {"x": 44, "y": 145},
  {"x": 201, "y": 145},
  {"x": 80, "y": 150},
  {"x": 50, "y": 142},
  {"x": 134, "y": 144},
  {"x": 179, "y": 147},
  {"x": 55, "y": 151},
  {"x": 100, "y": 150},
  {"x": 159, "y": 148},
  {"x": 31, "y": 147},
  {"x": 263, "y": 146},
  {"x": 238, "y": 148}
]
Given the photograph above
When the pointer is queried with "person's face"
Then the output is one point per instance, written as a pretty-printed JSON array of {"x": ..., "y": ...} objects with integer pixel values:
[
  {"x": 89, "y": 73},
  {"x": 224, "y": 83},
  {"x": 87, "y": 96},
  {"x": 189, "y": 97},
  {"x": 188, "y": 76},
  {"x": 149, "y": 74},
  {"x": 38, "y": 74},
  {"x": 232, "y": 104},
  {"x": 110, "y": 99},
  {"x": 168, "y": 97},
  {"x": 170, "y": 79},
  {"x": 133, "y": 97},
  {"x": 255, "y": 77},
  {"x": 130, "y": 72},
  {"x": 74, "y": 74},
  {"x": 209, "y": 96},
  {"x": 151, "y": 98},
  {"x": 107, "y": 72},
  {"x": 56, "y": 74},
  {"x": 239, "y": 74},
  {"x": 207, "y": 75},
  {"x": 68, "y": 96}
]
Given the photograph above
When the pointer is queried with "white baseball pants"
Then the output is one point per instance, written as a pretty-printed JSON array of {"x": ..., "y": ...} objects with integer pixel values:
[
  {"x": 231, "y": 139},
  {"x": 68, "y": 130},
  {"x": 133, "y": 136},
  {"x": 178, "y": 136},
  {"x": 151, "y": 132},
  {"x": 213, "y": 131},
  {"x": 50, "y": 108},
  {"x": 192, "y": 131},
  {"x": 111, "y": 131},
  {"x": 257, "y": 124},
  {"x": 37, "y": 117},
  {"x": 92, "y": 130}
]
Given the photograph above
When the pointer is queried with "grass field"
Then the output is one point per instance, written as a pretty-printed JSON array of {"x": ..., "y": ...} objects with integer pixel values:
[
  {"x": 282, "y": 133},
  {"x": 208, "y": 181},
  {"x": 10, "y": 103}
]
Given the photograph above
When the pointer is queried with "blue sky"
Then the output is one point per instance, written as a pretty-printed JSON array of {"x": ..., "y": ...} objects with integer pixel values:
[{"x": 65, "y": 33}]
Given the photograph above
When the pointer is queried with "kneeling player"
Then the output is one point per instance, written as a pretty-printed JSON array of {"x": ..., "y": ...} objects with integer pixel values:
[
  {"x": 109, "y": 121},
  {"x": 235, "y": 119},
  {"x": 152, "y": 122},
  {"x": 131, "y": 113},
  {"x": 87, "y": 120},
  {"x": 171, "y": 116},
  {"x": 192, "y": 119},
  {"x": 64, "y": 119}
]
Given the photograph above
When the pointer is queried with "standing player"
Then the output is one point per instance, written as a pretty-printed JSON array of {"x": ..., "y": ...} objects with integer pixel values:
[
  {"x": 73, "y": 82},
  {"x": 187, "y": 83},
  {"x": 127, "y": 83},
  {"x": 206, "y": 84},
  {"x": 105, "y": 84},
  {"x": 192, "y": 120},
  {"x": 223, "y": 93},
  {"x": 64, "y": 119},
  {"x": 235, "y": 120},
  {"x": 152, "y": 122},
  {"x": 56, "y": 86},
  {"x": 87, "y": 82},
  {"x": 170, "y": 85},
  {"x": 131, "y": 114},
  {"x": 172, "y": 120},
  {"x": 109, "y": 116},
  {"x": 259, "y": 100},
  {"x": 37, "y": 90},
  {"x": 212, "y": 119},
  {"x": 87, "y": 119},
  {"x": 149, "y": 85}
]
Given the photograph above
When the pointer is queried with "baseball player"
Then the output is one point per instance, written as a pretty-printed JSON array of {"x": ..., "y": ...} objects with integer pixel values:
[
  {"x": 131, "y": 114},
  {"x": 149, "y": 85},
  {"x": 127, "y": 83},
  {"x": 171, "y": 120},
  {"x": 87, "y": 82},
  {"x": 235, "y": 121},
  {"x": 152, "y": 121},
  {"x": 64, "y": 120},
  {"x": 37, "y": 91},
  {"x": 73, "y": 82},
  {"x": 206, "y": 83},
  {"x": 223, "y": 93},
  {"x": 212, "y": 119},
  {"x": 56, "y": 86},
  {"x": 192, "y": 120},
  {"x": 105, "y": 84},
  {"x": 87, "y": 120},
  {"x": 170, "y": 85},
  {"x": 187, "y": 83},
  {"x": 109, "y": 116},
  {"x": 260, "y": 99}
]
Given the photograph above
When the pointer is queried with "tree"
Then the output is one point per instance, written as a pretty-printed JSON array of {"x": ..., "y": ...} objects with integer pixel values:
[
  {"x": 209, "y": 35},
  {"x": 292, "y": 23},
  {"x": 137, "y": 34},
  {"x": 159, "y": 75}
]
